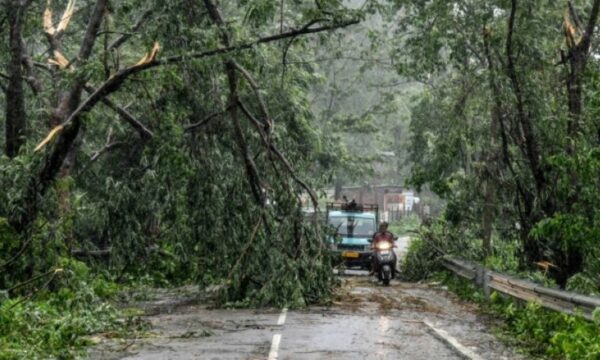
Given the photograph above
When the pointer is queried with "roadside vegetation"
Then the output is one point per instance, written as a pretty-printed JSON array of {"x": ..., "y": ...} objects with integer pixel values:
[
  {"x": 176, "y": 142},
  {"x": 54, "y": 322},
  {"x": 506, "y": 132},
  {"x": 536, "y": 331},
  {"x": 158, "y": 143},
  {"x": 406, "y": 225}
]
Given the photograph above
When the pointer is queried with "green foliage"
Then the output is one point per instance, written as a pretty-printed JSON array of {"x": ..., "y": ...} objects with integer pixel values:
[
  {"x": 9, "y": 239},
  {"x": 178, "y": 206},
  {"x": 405, "y": 225},
  {"x": 361, "y": 103},
  {"x": 434, "y": 239},
  {"x": 596, "y": 316},
  {"x": 419, "y": 262},
  {"x": 553, "y": 334},
  {"x": 55, "y": 324},
  {"x": 439, "y": 237},
  {"x": 105, "y": 289},
  {"x": 584, "y": 283},
  {"x": 543, "y": 333},
  {"x": 498, "y": 117},
  {"x": 56, "y": 320},
  {"x": 464, "y": 289},
  {"x": 504, "y": 257}
]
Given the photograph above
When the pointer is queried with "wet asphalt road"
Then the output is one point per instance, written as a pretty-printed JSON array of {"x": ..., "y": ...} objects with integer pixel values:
[{"x": 366, "y": 321}]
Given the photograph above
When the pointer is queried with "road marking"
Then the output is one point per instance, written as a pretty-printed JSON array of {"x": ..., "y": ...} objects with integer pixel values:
[
  {"x": 274, "y": 352},
  {"x": 282, "y": 316},
  {"x": 445, "y": 337},
  {"x": 275, "y": 347}
]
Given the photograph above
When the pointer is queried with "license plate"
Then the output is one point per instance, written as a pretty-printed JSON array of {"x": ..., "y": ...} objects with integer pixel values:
[
  {"x": 350, "y": 255},
  {"x": 384, "y": 252}
]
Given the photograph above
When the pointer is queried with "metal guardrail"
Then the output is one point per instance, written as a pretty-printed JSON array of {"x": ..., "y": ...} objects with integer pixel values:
[{"x": 558, "y": 300}]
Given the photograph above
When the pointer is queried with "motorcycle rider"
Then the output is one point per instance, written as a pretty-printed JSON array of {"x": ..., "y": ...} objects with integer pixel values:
[{"x": 382, "y": 235}]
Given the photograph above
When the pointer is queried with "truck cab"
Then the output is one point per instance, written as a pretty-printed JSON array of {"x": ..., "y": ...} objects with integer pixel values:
[{"x": 352, "y": 227}]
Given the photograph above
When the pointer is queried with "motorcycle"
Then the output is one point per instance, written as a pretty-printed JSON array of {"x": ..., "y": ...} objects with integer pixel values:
[{"x": 385, "y": 261}]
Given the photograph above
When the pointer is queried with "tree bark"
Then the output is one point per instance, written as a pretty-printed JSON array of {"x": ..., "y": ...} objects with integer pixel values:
[
  {"x": 578, "y": 56},
  {"x": 68, "y": 104},
  {"x": 531, "y": 249},
  {"x": 337, "y": 191},
  {"x": 570, "y": 260},
  {"x": 16, "y": 116},
  {"x": 524, "y": 117},
  {"x": 488, "y": 216},
  {"x": 492, "y": 167}
]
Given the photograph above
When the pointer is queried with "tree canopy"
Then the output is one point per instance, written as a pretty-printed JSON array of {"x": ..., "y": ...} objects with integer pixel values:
[
  {"x": 167, "y": 137},
  {"x": 506, "y": 129}
]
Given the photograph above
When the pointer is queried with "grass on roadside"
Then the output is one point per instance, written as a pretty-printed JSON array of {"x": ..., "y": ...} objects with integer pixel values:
[{"x": 537, "y": 331}]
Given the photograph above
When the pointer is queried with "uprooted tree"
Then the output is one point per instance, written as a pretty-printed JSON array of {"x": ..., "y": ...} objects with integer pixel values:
[{"x": 170, "y": 163}]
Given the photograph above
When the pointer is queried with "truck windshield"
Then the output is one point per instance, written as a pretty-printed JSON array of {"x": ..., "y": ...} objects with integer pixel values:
[{"x": 351, "y": 226}]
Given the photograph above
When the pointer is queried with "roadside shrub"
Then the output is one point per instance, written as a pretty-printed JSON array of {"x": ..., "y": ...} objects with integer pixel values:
[
  {"x": 54, "y": 327},
  {"x": 420, "y": 261},
  {"x": 504, "y": 255},
  {"x": 583, "y": 284},
  {"x": 556, "y": 335},
  {"x": 9, "y": 244},
  {"x": 53, "y": 316},
  {"x": 405, "y": 225},
  {"x": 434, "y": 239},
  {"x": 541, "y": 332}
]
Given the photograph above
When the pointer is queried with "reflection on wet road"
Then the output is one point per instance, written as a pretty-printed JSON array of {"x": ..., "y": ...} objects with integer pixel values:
[{"x": 383, "y": 327}]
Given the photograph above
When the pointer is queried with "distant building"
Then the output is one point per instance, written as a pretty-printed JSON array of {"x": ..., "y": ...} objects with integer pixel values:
[
  {"x": 394, "y": 201},
  {"x": 410, "y": 200},
  {"x": 369, "y": 194}
]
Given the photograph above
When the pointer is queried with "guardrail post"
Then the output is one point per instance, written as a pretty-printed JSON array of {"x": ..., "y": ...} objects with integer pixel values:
[
  {"x": 482, "y": 281},
  {"x": 479, "y": 276},
  {"x": 486, "y": 284}
]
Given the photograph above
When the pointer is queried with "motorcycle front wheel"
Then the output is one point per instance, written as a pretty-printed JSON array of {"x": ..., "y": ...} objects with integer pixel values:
[{"x": 386, "y": 274}]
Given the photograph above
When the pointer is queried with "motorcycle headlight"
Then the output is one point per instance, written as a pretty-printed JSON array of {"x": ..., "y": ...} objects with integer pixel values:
[{"x": 383, "y": 245}]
